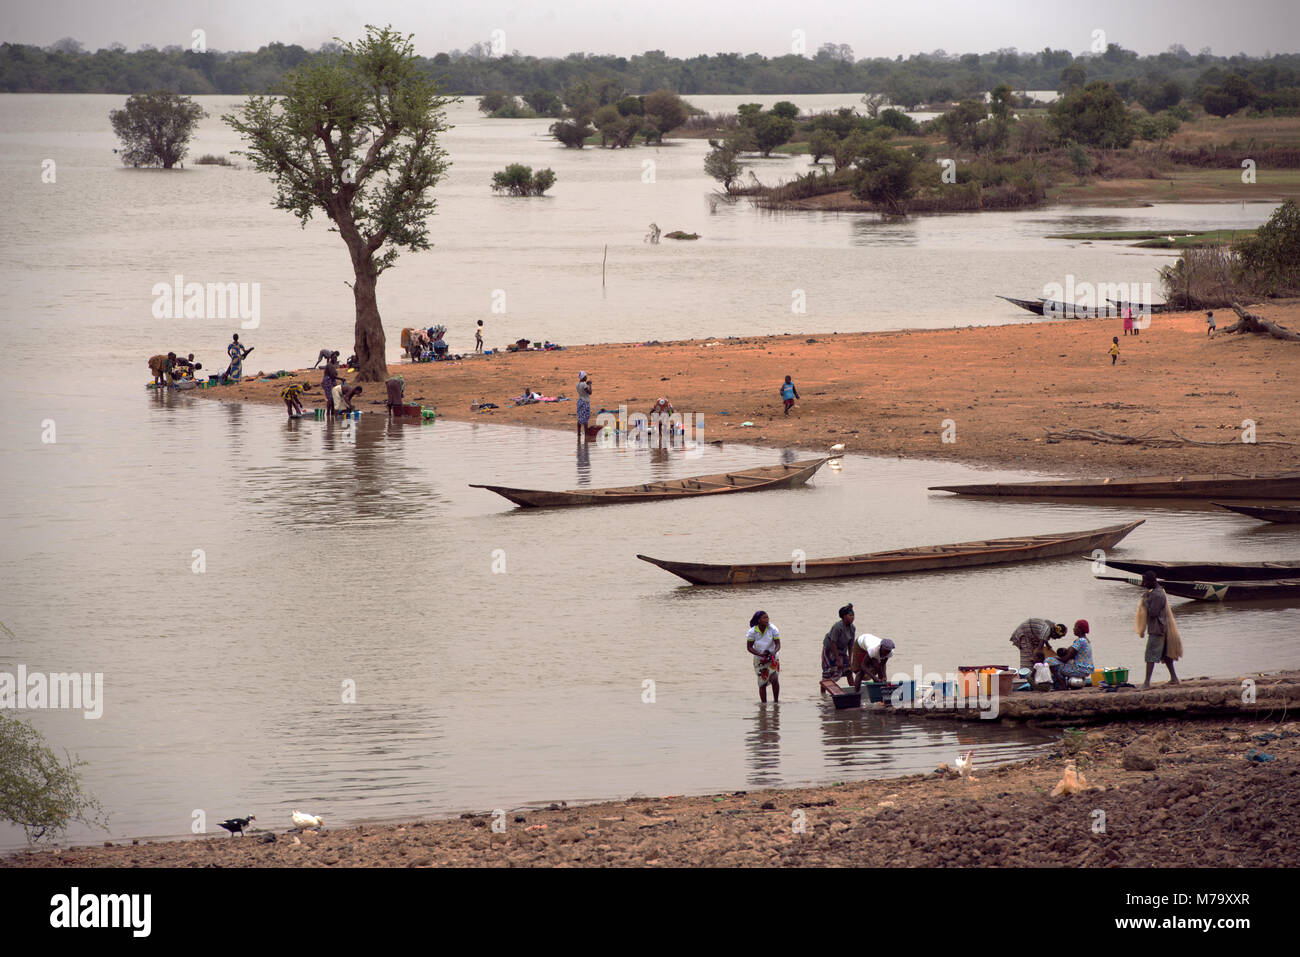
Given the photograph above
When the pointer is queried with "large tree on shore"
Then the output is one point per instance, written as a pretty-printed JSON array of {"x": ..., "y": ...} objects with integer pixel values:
[{"x": 355, "y": 135}]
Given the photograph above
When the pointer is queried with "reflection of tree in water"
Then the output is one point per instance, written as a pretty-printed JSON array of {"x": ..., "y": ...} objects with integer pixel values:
[
  {"x": 356, "y": 478},
  {"x": 763, "y": 747}
]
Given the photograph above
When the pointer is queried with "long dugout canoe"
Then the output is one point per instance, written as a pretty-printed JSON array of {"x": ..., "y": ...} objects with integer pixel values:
[
  {"x": 1281, "y": 485},
  {"x": 1209, "y": 571},
  {"x": 999, "y": 551},
  {"x": 1286, "y": 588},
  {"x": 748, "y": 480},
  {"x": 1279, "y": 514}
]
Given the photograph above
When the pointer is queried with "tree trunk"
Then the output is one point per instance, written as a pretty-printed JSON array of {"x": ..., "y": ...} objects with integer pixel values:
[
  {"x": 368, "y": 335},
  {"x": 1249, "y": 322},
  {"x": 369, "y": 341}
]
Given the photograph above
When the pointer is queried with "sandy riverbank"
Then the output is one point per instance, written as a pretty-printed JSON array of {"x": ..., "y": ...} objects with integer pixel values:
[
  {"x": 889, "y": 393},
  {"x": 1175, "y": 792}
]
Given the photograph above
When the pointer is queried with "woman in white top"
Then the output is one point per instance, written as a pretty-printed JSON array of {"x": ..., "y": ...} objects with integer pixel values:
[
  {"x": 869, "y": 657},
  {"x": 763, "y": 641}
]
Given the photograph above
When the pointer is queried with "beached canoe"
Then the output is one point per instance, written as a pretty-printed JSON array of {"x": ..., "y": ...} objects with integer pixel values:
[
  {"x": 1281, "y": 485},
  {"x": 998, "y": 551},
  {"x": 1286, "y": 588},
  {"x": 1281, "y": 514},
  {"x": 1060, "y": 310},
  {"x": 1209, "y": 571},
  {"x": 748, "y": 480}
]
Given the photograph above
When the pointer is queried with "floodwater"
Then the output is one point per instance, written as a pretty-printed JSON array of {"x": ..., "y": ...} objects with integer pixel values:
[{"x": 328, "y": 618}]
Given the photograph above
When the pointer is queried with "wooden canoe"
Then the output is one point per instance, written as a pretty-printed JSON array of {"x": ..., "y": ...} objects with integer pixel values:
[
  {"x": 1287, "y": 588},
  {"x": 1061, "y": 310},
  {"x": 1281, "y": 514},
  {"x": 1281, "y": 485},
  {"x": 918, "y": 559},
  {"x": 1209, "y": 571},
  {"x": 747, "y": 480}
]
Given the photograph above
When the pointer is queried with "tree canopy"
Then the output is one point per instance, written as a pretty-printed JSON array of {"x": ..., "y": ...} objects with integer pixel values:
[
  {"x": 355, "y": 136},
  {"x": 155, "y": 128},
  {"x": 39, "y": 792},
  {"x": 1093, "y": 116}
]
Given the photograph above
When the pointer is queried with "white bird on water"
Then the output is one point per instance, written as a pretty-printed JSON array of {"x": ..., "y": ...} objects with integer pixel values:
[
  {"x": 838, "y": 447},
  {"x": 966, "y": 765},
  {"x": 307, "y": 820}
]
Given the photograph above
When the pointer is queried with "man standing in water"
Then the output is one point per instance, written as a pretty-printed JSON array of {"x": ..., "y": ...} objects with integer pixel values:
[{"x": 1153, "y": 618}]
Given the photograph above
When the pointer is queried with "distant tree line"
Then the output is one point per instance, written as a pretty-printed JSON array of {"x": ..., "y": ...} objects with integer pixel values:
[{"x": 1265, "y": 83}]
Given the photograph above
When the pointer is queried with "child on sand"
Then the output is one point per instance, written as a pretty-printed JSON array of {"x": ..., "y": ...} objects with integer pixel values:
[
  {"x": 1114, "y": 349},
  {"x": 478, "y": 337},
  {"x": 1209, "y": 321},
  {"x": 789, "y": 393}
]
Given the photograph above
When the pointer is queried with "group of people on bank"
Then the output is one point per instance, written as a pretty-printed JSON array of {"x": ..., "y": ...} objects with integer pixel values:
[
  {"x": 847, "y": 654},
  {"x": 1053, "y": 669}
]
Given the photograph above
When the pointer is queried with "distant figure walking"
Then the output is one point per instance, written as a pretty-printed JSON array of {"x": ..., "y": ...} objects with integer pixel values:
[
  {"x": 1209, "y": 321},
  {"x": 478, "y": 337},
  {"x": 584, "y": 405},
  {"x": 1114, "y": 349},
  {"x": 1128, "y": 320},
  {"x": 789, "y": 393}
]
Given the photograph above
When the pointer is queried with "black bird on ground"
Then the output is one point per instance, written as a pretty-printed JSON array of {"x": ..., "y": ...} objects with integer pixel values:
[{"x": 236, "y": 825}]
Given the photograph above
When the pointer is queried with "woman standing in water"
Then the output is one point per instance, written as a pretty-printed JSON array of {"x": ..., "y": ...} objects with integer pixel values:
[
  {"x": 764, "y": 642},
  {"x": 584, "y": 405}
]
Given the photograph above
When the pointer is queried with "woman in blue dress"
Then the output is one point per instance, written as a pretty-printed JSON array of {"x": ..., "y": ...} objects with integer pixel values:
[
  {"x": 584, "y": 404},
  {"x": 1074, "y": 661},
  {"x": 236, "y": 352}
]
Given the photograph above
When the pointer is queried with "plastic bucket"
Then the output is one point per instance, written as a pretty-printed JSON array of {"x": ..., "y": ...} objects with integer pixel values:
[
  {"x": 1116, "y": 676},
  {"x": 877, "y": 690},
  {"x": 904, "y": 691}
]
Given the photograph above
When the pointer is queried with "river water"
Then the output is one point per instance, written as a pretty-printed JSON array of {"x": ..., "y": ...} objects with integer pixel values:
[{"x": 325, "y": 617}]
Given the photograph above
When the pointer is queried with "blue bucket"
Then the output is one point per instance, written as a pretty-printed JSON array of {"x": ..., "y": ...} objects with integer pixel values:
[{"x": 906, "y": 692}]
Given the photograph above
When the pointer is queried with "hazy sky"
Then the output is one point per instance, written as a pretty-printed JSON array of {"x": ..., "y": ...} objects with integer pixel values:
[{"x": 678, "y": 27}]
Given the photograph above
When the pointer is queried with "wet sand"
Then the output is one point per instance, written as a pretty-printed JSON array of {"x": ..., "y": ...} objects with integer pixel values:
[
  {"x": 1176, "y": 793},
  {"x": 995, "y": 390}
]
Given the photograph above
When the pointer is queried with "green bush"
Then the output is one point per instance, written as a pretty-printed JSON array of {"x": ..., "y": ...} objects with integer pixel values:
[
  {"x": 519, "y": 180},
  {"x": 39, "y": 792},
  {"x": 572, "y": 133}
]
